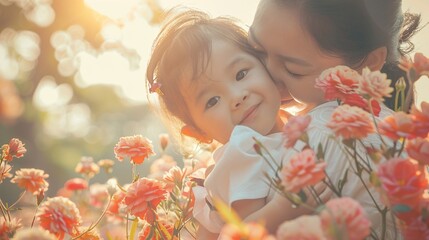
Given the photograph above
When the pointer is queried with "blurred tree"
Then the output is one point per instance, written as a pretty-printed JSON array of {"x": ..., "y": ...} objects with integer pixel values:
[{"x": 101, "y": 115}]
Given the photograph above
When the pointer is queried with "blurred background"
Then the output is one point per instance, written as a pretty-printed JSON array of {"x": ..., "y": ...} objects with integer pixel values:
[{"x": 72, "y": 77}]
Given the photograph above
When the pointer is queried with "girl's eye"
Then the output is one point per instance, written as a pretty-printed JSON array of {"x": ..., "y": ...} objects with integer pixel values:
[
  {"x": 212, "y": 101},
  {"x": 241, "y": 74}
]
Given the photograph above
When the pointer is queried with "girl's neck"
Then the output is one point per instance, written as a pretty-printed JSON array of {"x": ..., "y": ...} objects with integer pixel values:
[{"x": 278, "y": 126}]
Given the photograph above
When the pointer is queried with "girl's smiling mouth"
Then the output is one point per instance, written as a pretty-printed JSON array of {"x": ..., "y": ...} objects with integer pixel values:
[{"x": 249, "y": 114}]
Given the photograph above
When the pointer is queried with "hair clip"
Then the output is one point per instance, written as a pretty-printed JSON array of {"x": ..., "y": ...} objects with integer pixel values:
[{"x": 155, "y": 87}]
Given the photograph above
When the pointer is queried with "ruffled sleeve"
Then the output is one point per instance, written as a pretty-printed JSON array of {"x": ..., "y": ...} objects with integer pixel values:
[{"x": 239, "y": 173}]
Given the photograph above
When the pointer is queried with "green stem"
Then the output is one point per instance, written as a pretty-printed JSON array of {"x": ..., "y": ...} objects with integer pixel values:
[{"x": 92, "y": 226}]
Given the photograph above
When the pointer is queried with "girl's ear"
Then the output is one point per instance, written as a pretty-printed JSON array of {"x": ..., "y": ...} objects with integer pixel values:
[
  {"x": 375, "y": 59},
  {"x": 194, "y": 133}
]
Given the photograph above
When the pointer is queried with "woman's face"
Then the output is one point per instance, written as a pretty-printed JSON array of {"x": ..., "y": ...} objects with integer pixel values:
[{"x": 292, "y": 56}]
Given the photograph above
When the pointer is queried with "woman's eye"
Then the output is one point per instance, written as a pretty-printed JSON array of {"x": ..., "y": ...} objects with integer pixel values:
[
  {"x": 212, "y": 101},
  {"x": 293, "y": 74},
  {"x": 241, "y": 74}
]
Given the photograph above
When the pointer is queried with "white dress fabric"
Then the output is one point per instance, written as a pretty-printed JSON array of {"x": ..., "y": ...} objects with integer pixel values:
[
  {"x": 239, "y": 174},
  {"x": 337, "y": 163}
]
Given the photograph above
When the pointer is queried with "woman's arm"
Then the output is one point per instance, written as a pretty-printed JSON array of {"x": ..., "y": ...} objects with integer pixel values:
[
  {"x": 204, "y": 234},
  {"x": 275, "y": 212}
]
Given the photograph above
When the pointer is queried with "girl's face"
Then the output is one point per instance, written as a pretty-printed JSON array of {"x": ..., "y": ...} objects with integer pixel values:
[
  {"x": 235, "y": 90},
  {"x": 292, "y": 56}
]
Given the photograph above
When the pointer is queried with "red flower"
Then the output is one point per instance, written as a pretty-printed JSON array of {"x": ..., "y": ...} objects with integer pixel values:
[
  {"x": 143, "y": 196},
  {"x": 59, "y": 216},
  {"x": 402, "y": 181},
  {"x": 31, "y": 179},
  {"x": 302, "y": 170},
  {"x": 15, "y": 148},
  {"x": 76, "y": 184},
  {"x": 351, "y": 122},
  {"x": 137, "y": 148}
]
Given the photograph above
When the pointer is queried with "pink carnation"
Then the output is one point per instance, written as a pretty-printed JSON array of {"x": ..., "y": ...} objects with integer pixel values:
[
  {"x": 302, "y": 228},
  {"x": 302, "y": 170},
  {"x": 418, "y": 149},
  {"x": 294, "y": 129},
  {"x": 143, "y": 196},
  {"x": 375, "y": 84},
  {"x": 351, "y": 122},
  {"x": 420, "y": 64},
  {"x": 250, "y": 231},
  {"x": 402, "y": 181},
  {"x": 87, "y": 167},
  {"x": 416, "y": 229},
  {"x": 399, "y": 125},
  {"x": 34, "y": 233},
  {"x": 137, "y": 148},
  {"x": 346, "y": 218},
  {"x": 338, "y": 82},
  {"x": 76, "y": 184},
  {"x": 421, "y": 119},
  {"x": 32, "y": 180},
  {"x": 15, "y": 148},
  {"x": 59, "y": 216},
  {"x": 5, "y": 171}
]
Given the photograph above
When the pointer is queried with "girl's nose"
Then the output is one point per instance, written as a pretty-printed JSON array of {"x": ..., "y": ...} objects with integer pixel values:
[{"x": 239, "y": 99}]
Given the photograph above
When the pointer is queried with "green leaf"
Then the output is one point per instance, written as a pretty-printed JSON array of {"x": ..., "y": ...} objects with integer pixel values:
[
  {"x": 401, "y": 208},
  {"x": 303, "y": 196},
  {"x": 320, "y": 153}
]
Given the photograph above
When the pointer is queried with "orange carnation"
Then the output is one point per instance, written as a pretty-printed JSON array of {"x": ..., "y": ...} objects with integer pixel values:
[
  {"x": 137, "y": 148},
  {"x": 399, "y": 125},
  {"x": 31, "y": 179}
]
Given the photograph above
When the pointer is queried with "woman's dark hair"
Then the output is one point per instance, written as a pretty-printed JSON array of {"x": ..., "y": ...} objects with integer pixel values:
[{"x": 351, "y": 29}]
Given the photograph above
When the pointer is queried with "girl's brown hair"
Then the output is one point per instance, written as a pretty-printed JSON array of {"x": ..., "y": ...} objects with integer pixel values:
[{"x": 181, "y": 50}]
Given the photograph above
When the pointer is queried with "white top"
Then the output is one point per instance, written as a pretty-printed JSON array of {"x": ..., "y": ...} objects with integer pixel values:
[
  {"x": 239, "y": 173},
  {"x": 239, "y": 170},
  {"x": 337, "y": 164}
]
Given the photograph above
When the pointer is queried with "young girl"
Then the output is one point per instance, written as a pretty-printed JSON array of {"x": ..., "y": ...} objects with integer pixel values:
[
  {"x": 300, "y": 38},
  {"x": 210, "y": 81}
]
